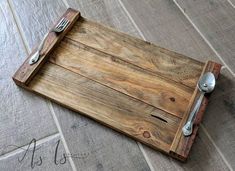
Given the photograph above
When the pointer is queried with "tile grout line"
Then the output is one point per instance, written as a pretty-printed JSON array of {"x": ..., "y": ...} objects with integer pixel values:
[
  {"x": 145, "y": 156},
  {"x": 132, "y": 20},
  {"x": 229, "y": 1},
  {"x": 217, "y": 148},
  {"x": 61, "y": 135},
  {"x": 147, "y": 159},
  {"x": 27, "y": 48},
  {"x": 58, "y": 124},
  {"x": 66, "y": 3},
  {"x": 20, "y": 31},
  {"x": 204, "y": 38},
  {"x": 225, "y": 66},
  {"x": 24, "y": 147}
]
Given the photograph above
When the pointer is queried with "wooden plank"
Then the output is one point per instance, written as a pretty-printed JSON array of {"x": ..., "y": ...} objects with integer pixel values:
[
  {"x": 166, "y": 95},
  {"x": 172, "y": 30},
  {"x": 216, "y": 21},
  {"x": 54, "y": 82},
  {"x": 22, "y": 114},
  {"x": 107, "y": 69},
  {"x": 26, "y": 72},
  {"x": 110, "y": 107},
  {"x": 106, "y": 148},
  {"x": 181, "y": 144},
  {"x": 152, "y": 58},
  {"x": 118, "y": 152},
  {"x": 46, "y": 156}
]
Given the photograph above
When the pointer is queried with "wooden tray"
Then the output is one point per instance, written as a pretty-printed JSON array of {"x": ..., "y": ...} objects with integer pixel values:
[{"x": 128, "y": 84}]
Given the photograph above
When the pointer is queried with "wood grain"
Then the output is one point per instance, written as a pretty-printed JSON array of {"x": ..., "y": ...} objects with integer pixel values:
[
  {"x": 181, "y": 144},
  {"x": 142, "y": 54},
  {"x": 216, "y": 20},
  {"x": 161, "y": 22},
  {"x": 102, "y": 148},
  {"x": 200, "y": 50},
  {"x": 106, "y": 105},
  {"x": 22, "y": 114},
  {"x": 26, "y": 72},
  {"x": 106, "y": 69},
  {"x": 118, "y": 152},
  {"x": 174, "y": 35}
]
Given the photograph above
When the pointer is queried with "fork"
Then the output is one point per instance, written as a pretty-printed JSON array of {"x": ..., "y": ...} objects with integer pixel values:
[{"x": 57, "y": 29}]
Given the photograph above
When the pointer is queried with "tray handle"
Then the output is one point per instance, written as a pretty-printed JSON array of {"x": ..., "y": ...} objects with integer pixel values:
[
  {"x": 182, "y": 144},
  {"x": 27, "y": 71}
]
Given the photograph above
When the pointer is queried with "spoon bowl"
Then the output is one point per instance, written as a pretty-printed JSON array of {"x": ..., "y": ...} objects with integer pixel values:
[{"x": 207, "y": 83}]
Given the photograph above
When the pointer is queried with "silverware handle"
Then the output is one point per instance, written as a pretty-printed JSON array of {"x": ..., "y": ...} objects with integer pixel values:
[
  {"x": 196, "y": 107},
  {"x": 188, "y": 127},
  {"x": 42, "y": 42}
]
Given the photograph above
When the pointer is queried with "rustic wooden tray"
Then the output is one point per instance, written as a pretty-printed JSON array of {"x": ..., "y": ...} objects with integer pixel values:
[{"x": 128, "y": 84}]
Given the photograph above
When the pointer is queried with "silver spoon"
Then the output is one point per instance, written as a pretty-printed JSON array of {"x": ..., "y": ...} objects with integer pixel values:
[{"x": 206, "y": 84}]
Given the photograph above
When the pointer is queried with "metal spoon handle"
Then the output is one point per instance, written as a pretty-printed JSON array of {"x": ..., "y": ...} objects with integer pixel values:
[
  {"x": 197, "y": 106},
  {"x": 188, "y": 127}
]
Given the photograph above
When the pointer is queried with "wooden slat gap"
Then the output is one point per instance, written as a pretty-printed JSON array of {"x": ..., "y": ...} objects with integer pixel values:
[
  {"x": 51, "y": 61},
  {"x": 132, "y": 65},
  {"x": 137, "y": 44}
]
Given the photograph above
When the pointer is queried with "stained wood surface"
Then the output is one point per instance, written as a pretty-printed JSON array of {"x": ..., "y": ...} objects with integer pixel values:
[
  {"x": 162, "y": 93},
  {"x": 141, "y": 54},
  {"x": 107, "y": 70},
  {"x": 102, "y": 148},
  {"x": 181, "y": 144},
  {"x": 117, "y": 110},
  {"x": 175, "y": 35},
  {"x": 26, "y": 72},
  {"x": 101, "y": 156},
  {"x": 79, "y": 131}
]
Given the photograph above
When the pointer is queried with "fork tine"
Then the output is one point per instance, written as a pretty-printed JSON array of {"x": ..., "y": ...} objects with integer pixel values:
[
  {"x": 64, "y": 20},
  {"x": 61, "y": 22},
  {"x": 61, "y": 25},
  {"x": 64, "y": 25}
]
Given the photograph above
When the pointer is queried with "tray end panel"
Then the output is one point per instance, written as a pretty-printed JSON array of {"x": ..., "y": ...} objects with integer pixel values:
[
  {"x": 181, "y": 145},
  {"x": 27, "y": 71}
]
